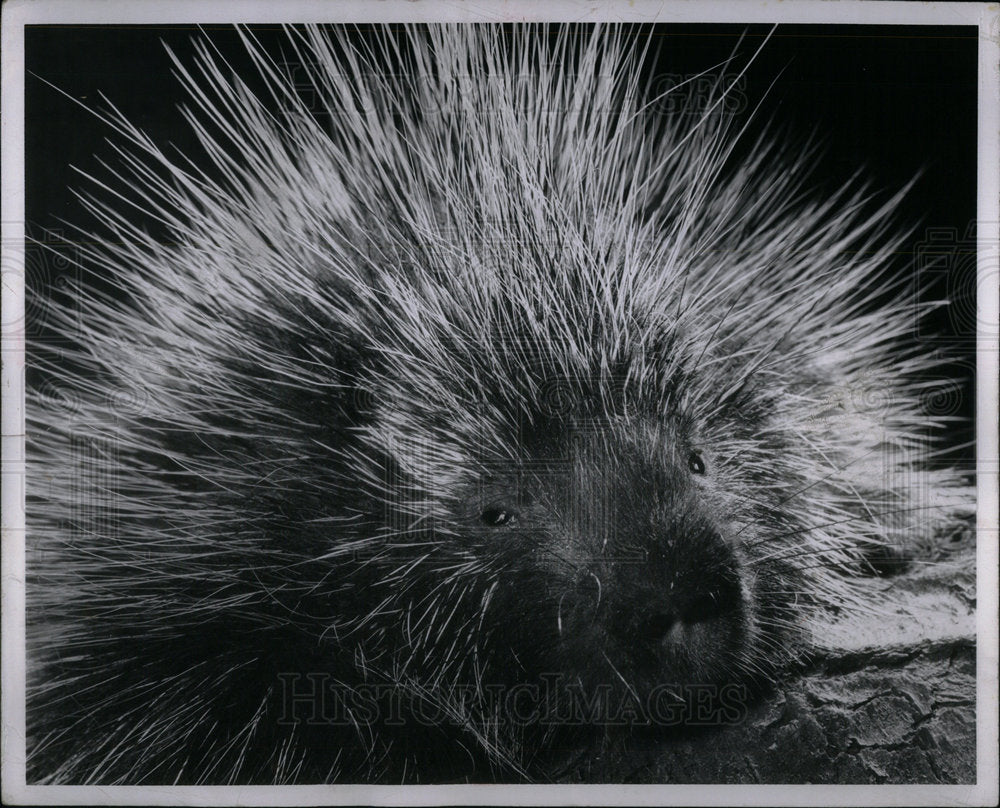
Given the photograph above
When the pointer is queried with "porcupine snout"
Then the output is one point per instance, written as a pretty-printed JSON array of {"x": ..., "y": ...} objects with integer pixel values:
[
  {"x": 657, "y": 592},
  {"x": 675, "y": 589},
  {"x": 671, "y": 606}
]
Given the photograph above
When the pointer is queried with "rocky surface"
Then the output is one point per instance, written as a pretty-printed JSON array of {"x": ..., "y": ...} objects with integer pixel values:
[{"x": 888, "y": 696}]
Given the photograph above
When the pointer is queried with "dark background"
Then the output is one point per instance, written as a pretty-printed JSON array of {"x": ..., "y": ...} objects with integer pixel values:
[{"x": 892, "y": 101}]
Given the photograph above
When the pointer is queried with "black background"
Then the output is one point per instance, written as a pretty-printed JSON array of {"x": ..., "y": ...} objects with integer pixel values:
[{"x": 893, "y": 101}]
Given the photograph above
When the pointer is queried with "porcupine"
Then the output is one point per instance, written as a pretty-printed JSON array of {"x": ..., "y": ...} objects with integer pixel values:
[{"x": 464, "y": 383}]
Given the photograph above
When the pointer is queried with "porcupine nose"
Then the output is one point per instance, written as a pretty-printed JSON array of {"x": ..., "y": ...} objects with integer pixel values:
[
  {"x": 658, "y": 626},
  {"x": 683, "y": 585},
  {"x": 668, "y": 616}
]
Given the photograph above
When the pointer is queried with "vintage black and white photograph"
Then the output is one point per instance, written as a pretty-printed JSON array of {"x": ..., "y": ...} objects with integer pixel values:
[{"x": 508, "y": 400}]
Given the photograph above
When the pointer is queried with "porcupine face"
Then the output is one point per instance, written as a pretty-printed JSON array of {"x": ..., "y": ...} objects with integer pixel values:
[
  {"x": 640, "y": 574},
  {"x": 615, "y": 547}
]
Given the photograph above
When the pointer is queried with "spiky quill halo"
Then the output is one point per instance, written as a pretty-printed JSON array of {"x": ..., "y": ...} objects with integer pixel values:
[{"x": 367, "y": 310}]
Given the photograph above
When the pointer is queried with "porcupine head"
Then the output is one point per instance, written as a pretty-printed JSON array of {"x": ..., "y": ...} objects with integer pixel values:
[{"x": 485, "y": 371}]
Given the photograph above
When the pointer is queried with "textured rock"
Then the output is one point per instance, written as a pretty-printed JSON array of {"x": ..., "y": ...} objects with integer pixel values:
[{"x": 887, "y": 697}]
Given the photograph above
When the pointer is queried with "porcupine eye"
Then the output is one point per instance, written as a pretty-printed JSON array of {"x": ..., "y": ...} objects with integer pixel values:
[
  {"x": 496, "y": 516},
  {"x": 695, "y": 463}
]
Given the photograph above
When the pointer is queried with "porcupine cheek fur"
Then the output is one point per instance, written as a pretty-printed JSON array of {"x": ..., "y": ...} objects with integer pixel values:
[{"x": 644, "y": 581}]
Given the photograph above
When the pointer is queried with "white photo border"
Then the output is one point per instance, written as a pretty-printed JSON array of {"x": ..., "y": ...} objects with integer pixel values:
[{"x": 19, "y": 13}]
